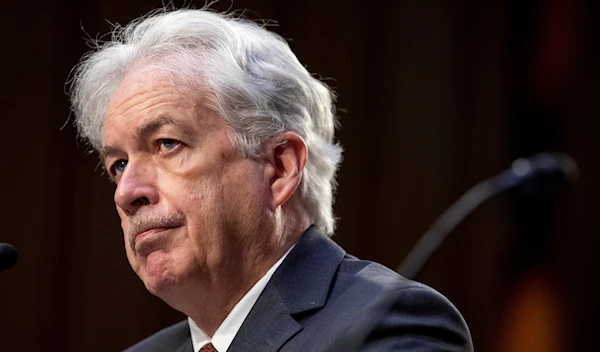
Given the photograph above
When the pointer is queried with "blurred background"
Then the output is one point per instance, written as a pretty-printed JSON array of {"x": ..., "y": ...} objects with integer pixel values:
[{"x": 434, "y": 96}]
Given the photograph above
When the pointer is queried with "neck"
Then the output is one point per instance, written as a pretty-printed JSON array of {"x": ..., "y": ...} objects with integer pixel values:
[{"x": 208, "y": 300}]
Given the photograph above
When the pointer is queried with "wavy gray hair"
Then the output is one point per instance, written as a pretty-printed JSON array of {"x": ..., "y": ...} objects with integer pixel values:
[{"x": 258, "y": 86}]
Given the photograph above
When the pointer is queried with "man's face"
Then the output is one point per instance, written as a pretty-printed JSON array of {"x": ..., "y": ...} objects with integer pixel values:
[{"x": 191, "y": 206}]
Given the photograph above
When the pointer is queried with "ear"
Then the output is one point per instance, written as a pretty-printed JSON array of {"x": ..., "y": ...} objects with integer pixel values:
[{"x": 287, "y": 157}]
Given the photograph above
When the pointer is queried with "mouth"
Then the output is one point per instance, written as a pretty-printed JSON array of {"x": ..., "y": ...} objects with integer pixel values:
[
  {"x": 153, "y": 239},
  {"x": 150, "y": 232}
]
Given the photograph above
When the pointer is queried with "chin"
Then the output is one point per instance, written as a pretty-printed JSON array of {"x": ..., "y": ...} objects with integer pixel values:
[
  {"x": 161, "y": 275},
  {"x": 160, "y": 287}
]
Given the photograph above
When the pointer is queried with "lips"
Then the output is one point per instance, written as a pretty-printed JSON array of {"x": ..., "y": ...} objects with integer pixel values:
[
  {"x": 149, "y": 232},
  {"x": 151, "y": 240}
]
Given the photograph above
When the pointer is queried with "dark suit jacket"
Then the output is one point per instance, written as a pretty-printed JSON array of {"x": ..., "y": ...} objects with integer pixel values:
[{"x": 321, "y": 299}]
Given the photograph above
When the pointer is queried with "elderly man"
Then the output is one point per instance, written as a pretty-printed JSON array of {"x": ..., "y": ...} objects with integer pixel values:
[{"x": 221, "y": 146}]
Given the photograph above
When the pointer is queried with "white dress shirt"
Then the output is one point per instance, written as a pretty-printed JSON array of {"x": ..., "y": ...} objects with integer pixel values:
[{"x": 232, "y": 323}]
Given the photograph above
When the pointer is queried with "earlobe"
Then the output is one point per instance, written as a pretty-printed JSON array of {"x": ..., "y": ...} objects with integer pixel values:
[{"x": 288, "y": 157}]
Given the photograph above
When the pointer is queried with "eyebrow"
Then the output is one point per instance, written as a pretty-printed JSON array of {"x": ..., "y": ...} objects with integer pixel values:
[
  {"x": 154, "y": 125},
  {"x": 143, "y": 131},
  {"x": 108, "y": 150}
]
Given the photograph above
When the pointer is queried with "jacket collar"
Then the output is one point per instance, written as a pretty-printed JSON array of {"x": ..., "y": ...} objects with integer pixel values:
[{"x": 300, "y": 284}]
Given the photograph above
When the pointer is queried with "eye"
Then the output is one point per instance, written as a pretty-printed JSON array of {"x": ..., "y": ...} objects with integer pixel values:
[
  {"x": 167, "y": 144},
  {"x": 118, "y": 167}
]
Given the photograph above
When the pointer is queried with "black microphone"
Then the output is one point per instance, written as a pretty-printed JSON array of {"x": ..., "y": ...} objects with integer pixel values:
[
  {"x": 8, "y": 256},
  {"x": 539, "y": 172},
  {"x": 531, "y": 175}
]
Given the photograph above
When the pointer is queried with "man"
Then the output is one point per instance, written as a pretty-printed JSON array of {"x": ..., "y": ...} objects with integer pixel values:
[{"x": 222, "y": 149}]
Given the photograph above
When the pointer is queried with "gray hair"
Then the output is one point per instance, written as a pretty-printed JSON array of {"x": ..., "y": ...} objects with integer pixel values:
[{"x": 258, "y": 86}]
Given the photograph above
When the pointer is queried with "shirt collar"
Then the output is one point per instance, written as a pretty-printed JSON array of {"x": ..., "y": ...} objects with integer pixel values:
[{"x": 232, "y": 323}]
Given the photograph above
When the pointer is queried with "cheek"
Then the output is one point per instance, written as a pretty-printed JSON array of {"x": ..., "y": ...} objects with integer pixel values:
[
  {"x": 245, "y": 194},
  {"x": 191, "y": 180},
  {"x": 206, "y": 204},
  {"x": 200, "y": 201}
]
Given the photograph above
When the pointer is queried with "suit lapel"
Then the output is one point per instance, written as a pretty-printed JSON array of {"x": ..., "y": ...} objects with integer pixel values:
[
  {"x": 299, "y": 285},
  {"x": 186, "y": 346},
  {"x": 267, "y": 327}
]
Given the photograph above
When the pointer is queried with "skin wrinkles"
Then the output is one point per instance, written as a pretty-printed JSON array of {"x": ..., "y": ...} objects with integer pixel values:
[{"x": 211, "y": 210}]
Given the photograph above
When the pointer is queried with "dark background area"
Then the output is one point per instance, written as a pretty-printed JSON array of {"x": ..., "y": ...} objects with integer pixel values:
[{"x": 434, "y": 96}]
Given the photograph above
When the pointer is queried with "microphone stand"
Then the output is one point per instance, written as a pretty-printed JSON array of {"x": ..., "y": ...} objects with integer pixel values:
[{"x": 535, "y": 171}]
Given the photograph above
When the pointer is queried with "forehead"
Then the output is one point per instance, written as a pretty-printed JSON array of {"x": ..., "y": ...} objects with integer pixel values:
[
  {"x": 148, "y": 93},
  {"x": 144, "y": 88}
]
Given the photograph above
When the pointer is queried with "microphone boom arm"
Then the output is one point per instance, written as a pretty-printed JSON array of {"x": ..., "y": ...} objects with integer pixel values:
[{"x": 555, "y": 167}]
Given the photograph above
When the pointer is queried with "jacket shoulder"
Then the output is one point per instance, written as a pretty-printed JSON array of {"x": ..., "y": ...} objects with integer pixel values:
[
  {"x": 168, "y": 339},
  {"x": 369, "y": 280},
  {"x": 395, "y": 314}
]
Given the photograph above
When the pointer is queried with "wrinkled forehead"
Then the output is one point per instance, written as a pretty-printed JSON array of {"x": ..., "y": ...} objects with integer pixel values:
[
  {"x": 146, "y": 95},
  {"x": 139, "y": 78},
  {"x": 152, "y": 83},
  {"x": 167, "y": 70}
]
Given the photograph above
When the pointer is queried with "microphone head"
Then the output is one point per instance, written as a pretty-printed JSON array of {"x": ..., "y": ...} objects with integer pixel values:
[
  {"x": 8, "y": 256},
  {"x": 548, "y": 168}
]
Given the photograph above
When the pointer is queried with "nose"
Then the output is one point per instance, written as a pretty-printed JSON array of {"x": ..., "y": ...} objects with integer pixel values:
[{"x": 136, "y": 188}]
